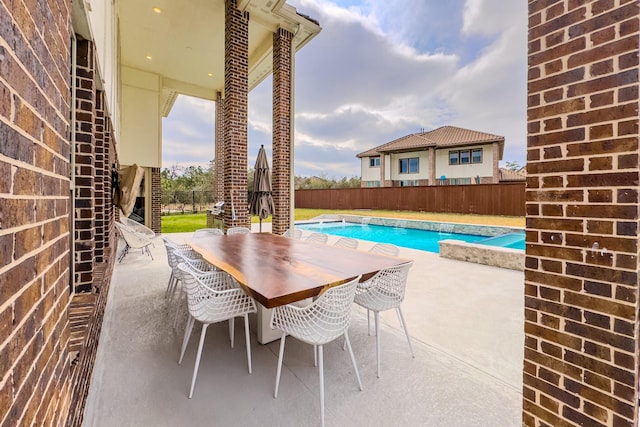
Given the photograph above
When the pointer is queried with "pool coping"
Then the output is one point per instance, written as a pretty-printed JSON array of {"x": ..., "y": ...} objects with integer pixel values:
[{"x": 496, "y": 256}]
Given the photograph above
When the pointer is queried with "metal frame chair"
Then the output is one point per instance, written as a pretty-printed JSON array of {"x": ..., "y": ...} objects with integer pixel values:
[
  {"x": 294, "y": 233},
  {"x": 212, "y": 297},
  {"x": 346, "y": 242},
  {"x": 385, "y": 249},
  {"x": 208, "y": 232},
  {"x": 317, "y": 238},
  {"x": 322, "y": 321},
  {"x": 132, "y": 240},
  {"x": 382, "y": 292},
  {"x": 238, "y": 230}
]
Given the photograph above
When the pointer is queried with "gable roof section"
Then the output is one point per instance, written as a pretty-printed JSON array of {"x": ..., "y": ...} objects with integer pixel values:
[{"x": 445, "y": 136}]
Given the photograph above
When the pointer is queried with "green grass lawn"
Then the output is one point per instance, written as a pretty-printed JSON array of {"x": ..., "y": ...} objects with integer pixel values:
[{"x": 180, "y": 223}]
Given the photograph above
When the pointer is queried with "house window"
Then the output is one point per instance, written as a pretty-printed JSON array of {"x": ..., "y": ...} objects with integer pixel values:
[
  {"x": 373, "y": 184},
  {"x": 409, "y": 165},
  {"x": 409, "y": 183},
  {"x": 465, "y": 157},
  {"x": 374, "y": 162},
  {"x": 476, "y": 155},
  {"x": 453, "y": 157}
]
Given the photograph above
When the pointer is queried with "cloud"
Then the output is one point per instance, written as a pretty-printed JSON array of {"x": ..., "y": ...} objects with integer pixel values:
[{"x": 380, "y": 70}]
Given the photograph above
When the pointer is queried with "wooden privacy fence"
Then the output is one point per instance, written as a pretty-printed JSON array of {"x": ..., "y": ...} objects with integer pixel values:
[{"x": 481, "y": 199}]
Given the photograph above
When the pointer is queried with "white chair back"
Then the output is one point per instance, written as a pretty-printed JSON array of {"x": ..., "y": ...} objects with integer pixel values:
[{"x": 238, "y": 230}]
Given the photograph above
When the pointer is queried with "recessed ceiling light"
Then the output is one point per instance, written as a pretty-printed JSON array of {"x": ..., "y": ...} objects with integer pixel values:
[
  {"x": 149, "y": 57},
  {"x": 210, "y": 74},
  {"x": 157, "y": 10}
]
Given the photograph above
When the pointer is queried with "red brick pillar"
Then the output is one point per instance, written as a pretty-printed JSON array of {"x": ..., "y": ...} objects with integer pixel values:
[
  {"x": 99, "y": 189},
  {"x": 236, "y": 83},
  {"x": 282, "y": 135},
  {"x": 84, "y": 193},
  {"x": 156, "y": 200},
  {"x": 219, "y": 152},
  {"x": 581, "y": 277}
]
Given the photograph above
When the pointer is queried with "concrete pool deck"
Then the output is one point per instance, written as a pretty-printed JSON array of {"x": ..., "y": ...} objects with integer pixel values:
[{"x": 465, "y": 320}]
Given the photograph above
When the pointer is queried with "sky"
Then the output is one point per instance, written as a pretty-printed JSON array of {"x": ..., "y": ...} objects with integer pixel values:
[{"x": 380, "y": 70}]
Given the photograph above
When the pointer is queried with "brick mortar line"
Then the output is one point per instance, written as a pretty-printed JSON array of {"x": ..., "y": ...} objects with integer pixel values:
[
  {"x": 50, "y": 78},
  {"x": 34, "y": 336},
  {"x": 51, "y": 377},
  {"x": 27, "y": 166},
  {"x": 8, "y": 267},
  {"x": 13, "y": 230}
]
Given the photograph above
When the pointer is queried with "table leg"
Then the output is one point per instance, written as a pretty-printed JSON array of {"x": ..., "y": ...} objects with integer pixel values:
[{"x": 265, "y": 333}]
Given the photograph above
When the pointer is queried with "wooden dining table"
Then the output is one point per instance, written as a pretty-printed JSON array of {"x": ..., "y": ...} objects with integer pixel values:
[{"x": 277, "y": 270}]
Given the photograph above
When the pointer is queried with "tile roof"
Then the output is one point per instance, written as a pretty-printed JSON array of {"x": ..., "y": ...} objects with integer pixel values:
[
  {"x": 445, "y": 136},
  {"x": 509, "y": 175}
]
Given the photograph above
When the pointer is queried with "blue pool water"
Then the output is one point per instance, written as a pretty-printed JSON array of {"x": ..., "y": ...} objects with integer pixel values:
[{"x": 410, "y": 237}]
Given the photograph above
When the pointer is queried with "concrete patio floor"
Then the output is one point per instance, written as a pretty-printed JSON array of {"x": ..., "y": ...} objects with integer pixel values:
[{"x": 465, "y": 320}]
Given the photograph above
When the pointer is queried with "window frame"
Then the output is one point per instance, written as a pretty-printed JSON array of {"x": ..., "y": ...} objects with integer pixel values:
[
  {"x": 373, "y": 163},
  {"x": 476, "y": 150},
  {"x": 409, "y": 170}
]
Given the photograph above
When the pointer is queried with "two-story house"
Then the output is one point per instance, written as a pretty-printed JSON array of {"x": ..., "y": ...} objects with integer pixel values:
[{"x": 447, "y": 155}]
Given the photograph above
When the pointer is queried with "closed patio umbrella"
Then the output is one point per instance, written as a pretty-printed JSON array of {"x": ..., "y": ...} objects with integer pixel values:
[
  {"x": 129, "y": 181},
  {"x": 261, "y": 201}
]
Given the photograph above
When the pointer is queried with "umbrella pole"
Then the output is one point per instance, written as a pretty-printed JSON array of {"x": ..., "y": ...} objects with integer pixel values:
[{"x": 260, "y": 224}]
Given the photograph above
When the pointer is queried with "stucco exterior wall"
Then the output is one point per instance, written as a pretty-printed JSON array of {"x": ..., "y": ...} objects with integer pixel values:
[{"x": 470, "y": 170}]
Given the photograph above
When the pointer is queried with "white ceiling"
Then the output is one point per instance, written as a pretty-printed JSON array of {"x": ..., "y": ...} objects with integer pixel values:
[{"x": 186, "y": 40}]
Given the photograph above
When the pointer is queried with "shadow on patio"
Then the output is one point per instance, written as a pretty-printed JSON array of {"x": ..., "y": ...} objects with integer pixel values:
[{"x": 465, "y": 321}]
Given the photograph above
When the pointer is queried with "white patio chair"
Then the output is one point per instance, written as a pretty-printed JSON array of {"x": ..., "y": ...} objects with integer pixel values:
[
  {"x": 346, "y": 242},
  {"x": 170, "y": 247},
  {"x": 238, "y": 230},
  {"x": 385, "y": 249},
  {"x": 317, "y": 238},
  {"x": 201, "y": 232},
  {"x": 382, "y": 292},
  {"x": 137, "y": 226},
  {"x": 293, "y": 233},
  {"x": 132, "y": 240},
  {"x": 320, "y": 322},
  {"x": 213, "y": 298}
]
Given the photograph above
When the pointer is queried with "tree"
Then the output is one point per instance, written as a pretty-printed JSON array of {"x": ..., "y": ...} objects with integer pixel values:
[{"x": 513, "y": 165}]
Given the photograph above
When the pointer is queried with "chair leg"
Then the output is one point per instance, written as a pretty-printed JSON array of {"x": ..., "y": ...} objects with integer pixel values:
[
  {"x": 166, "y": 293},
  {"x": 315, "y": 356},
  {"x": 231, "y": 330},
  {"x": 195, "y": 369},
  {"x": 248, "y": 342},
  {"x": 187, "y": 335},
  {"x": 321, "y": 374},
  {"x": 368, "y": 323},
  {"x": 376, "y": 316},
  {"x": 177, "y": 313},
  {"x": 275, "y": 393},
  {"x": 353, "y": 359},
  {"x": 406, "y": 331}
]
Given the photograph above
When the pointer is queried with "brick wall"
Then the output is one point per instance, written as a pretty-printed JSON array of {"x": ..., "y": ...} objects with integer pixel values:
[
  {"x": 34, "y": 210},
  {"x": 85, "y": 170},
  {"x": 100, "y": 184},
  {"x": 282, "y": 139},
  {"x": 236, "y": 83},
  {"x": 156, "y": 200},
  {"x": 581, "y": 276},
  {"x": 219, "y": 151}
]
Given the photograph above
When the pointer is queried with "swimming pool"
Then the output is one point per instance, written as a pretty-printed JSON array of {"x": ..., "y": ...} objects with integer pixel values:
[{"x": 424, "y": 240}]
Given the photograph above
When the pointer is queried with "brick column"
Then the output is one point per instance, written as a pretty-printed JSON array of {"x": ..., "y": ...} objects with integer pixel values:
[
  {"x": 236, "y": 83},
  {"x": 156, "y": 200},
  {"x": 99, "y": 189},
  {"x": 495, "y": 148},
  {"x": 219, "y": 153},
  {"x": 282, "y": 135},
  {"x": 35, "y": 207},
  {"x": 581, "y": 276},
  {"x": 84, "y": 194},
  {"x": 433, "y": 180}
]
